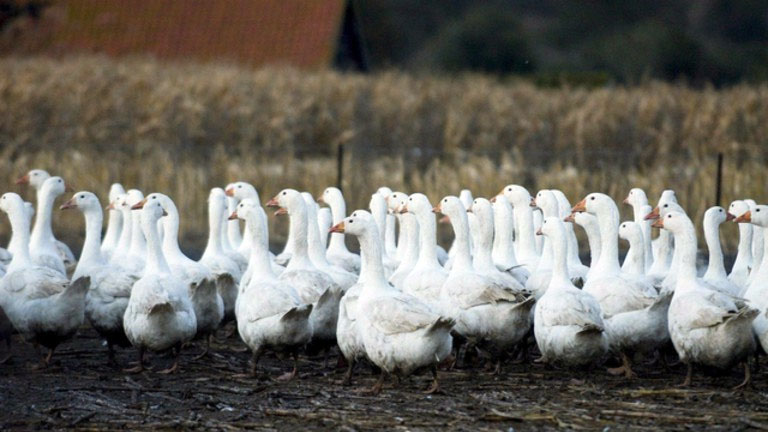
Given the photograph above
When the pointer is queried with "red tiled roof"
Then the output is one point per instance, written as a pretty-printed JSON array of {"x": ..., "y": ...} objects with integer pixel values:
[{"x": 298, "y": 32}]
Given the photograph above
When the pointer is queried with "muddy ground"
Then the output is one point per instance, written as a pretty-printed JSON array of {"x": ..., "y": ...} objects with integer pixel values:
[{"x": 80, "y": 390}]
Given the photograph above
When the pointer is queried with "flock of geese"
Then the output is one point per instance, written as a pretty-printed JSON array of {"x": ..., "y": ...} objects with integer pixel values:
[{"x": 511, "y": 276}]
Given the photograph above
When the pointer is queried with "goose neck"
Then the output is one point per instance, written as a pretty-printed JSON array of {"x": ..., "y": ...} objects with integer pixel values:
[
  {"x": 524, "y": 219},
  {"x": 138, "y": 245},
  {"x": 715, "y": 267},
  {"x": 338, "y": 213},
  {"x": 685, "y": 249},
  {"x": 91, "y": 254},
  {"x": 372, "y": 267},
  {"x": 298, "y": 233},
  {"x": 114, "y": 228},
  {"x": 156, "y": 262},
  {"x": 462, "y": 259},
  {"x": 608, "y": 220},
  {"x": 427, "y": 239},
  {"x": 171, "y": 234},
  {"x": 42, "y": 230},
  {"x": 21, "y": 258},
  {"x": 559, "y": 262}
]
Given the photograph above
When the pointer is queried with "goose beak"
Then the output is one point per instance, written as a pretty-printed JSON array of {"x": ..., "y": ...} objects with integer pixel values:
[
  {"x": 281, "y": 211},
  {"x": 729, "y": 216},
  {"x": 70, "y": 204},
  {"x": 233, "y": 216},
  {"x": 111, "y": 206},
  {"x": 403, "y": 209},
  {"x": 493, "y": 199},
  {"x": 626, "y": 200},
  {"x": 533, "y": 202},
  {"x": 580, "y": 206},
  {"x": 140, "y": 205},
  {"x": 469, "y": 210},
  {"x": 570, "y": 218},
  {"x": 165, "y": 213},
  {"x": 320, "y": 200},
  {"x": 338, "y": 228},
  {"x": 658, "y": 223},
  {"x": 23, "y": 180},
  {"x": 538, "y": 232},
  {"x": 273, "y": 202},
  {"x": 230, "y": 192},
  {"x": 654, "y": 214},
  {"x": 437, "y": 209},
  {"x": 745, "y": 218},
  {"x": 444, "y": 220}
]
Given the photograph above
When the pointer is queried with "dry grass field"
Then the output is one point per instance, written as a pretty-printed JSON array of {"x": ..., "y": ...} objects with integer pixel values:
[{"x": 183, "y": 128}]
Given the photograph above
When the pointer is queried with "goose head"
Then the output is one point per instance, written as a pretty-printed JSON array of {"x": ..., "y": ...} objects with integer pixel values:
[
  {"x": 482, "y": 209},
  {"x": 331, "y": 195},
  {"x": 465, "y": 196},
  {"x": 35, "y": 178},
  {"x": 716, "y": 215},
  {"x": 84, "y": 201},
  {"x": 151, "y": 212},
  {"x": 242, "y": 190},
  {"x": 54, "y": 186},
  {"x": 394, "y": 201},
  {"x": 636, "y": 197},
  {"x": 417, "y": 204},
  {"x": 595, "y": 204},
  {"x": 12, "y": 204},
  {"x": 667, "y": 196},
  {"x": 516, "y": 195},
  {"x": 217, "y": 202},
  {"x": 286, "y": 201},
  {"x": 133, "y": 197},
  {"x": 552, "y": 227},
  {"x": 452, "y": 207},
  {"x": 246, "y": 210},
  {"x": 547, "y": 202},
  {"x": 115, "y": 190},
  {"x": 384, "y": 191},
  {"x": 631, "y": 232},
  {"x": 738, "y": 208},
  {"x": 758, "y": 216},
  {"x": 360, "y": 222},
  {"x": 674, "y": 222}
]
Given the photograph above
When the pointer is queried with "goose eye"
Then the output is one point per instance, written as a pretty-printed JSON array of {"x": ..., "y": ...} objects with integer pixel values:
[
  {"x": 351, "y": 220},
  {"x": 509, "y": 189},
  {"x": 285, "y": 193},
  {"x": 666, "y": 205},
  {"x": 59, "y": 180},
  {"x": 82, "y": 196},
  {"x": 623, "y": 226},
  {"x": 757, "y": 210},
  {"x": 354, "y": 214},
  {"x": 721, "y": 210},
  {"x": 669, "y": 216},
  {"x": 445, "y": 200},
  {"x": 239, "y": 186},
  {"x": 593, "y": 198},
  {"x": 410, "y": 199}
]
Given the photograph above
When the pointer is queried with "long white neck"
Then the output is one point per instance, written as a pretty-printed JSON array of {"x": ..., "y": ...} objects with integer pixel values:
[
  {"x": 482, "y": 232},
  {"x": 402, "y": 239},
  {"x": 259, "y": 260},
  {"x": 114, "y": 228},
  {"x": 661, "y": 263},
  {"x": 634, "y": 262},
  {"x": 171, "y": 234},
  {"x": 744, "y": 254},
  {"x": 338, "y": 213},
  {"x": 503, "y": 244},
  {"x": 372, "y": 268},
  {"x": 685, "y": 247},
  {"x": 155, "y": 262},
  {"x": 389, "y": 236},
  {"x": 716, "y": 267},
  {"x": 20, "y": 227},
  {"x": 762, "y": 270},
  {"x": 645, "y": 228},
  {"x": 42, "y": 233},
  {"x": 560, "y": 260},
  {"x": 592, "y": 229},
  {"x": 138, "y": 242},
  {"x": 234, "y": 236},
  {"x": 126, "y": 234},
  {"x": 298, "y": 232},
  {"x": 409, "y": 239},
  {"x": 526, "y": 241},
  {"x": 214, "y": 246},
  {"x": 91, "y": 254},
  {"x": 608, "y": 220},
  {"x": 462, "y": 260},
  {"x": 315, "y": 247},
  {"x": 427, "y": 240}
]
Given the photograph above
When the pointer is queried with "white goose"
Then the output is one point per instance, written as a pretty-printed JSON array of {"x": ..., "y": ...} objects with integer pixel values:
[
  {"x": 615, "y": 291},
  {"x": 741, "y": 267},
  {"x": 589, "y": 223},
  {"x": 568, "y": 323},
  {"x": 409, "y": 239},
  {"x": 241, "y": 191},
  {"x": 316, "y": 250},
  {"x": 639, "y": 200},
  {"x": 503, "y": 252},
  {"x": 234, "y": 236},
  {"x": 706, "y": 327},
  {"x": 757, "y": 244},
  {"x": 520, "y": 200},
  {"x": 634, "y": 261},
  {"x": 136, "y": 256},
  {"x": 324, "y": 222},
  {"x": 312, "y": 285},
  {"x": 482, "y": 233},
  {"x": 486, "y": 313},
  {"x": 390, "y": 246},
  {"x": 426, "y": 279},
  {"x": 270, "y": 315},
  {"x": 576, "y": 268},
  {"x": 115, "y": 224},
  {"x": 42, "y": 244},
  {"x": 663, "y": 246},
  {"x": 43, "y": 306},
  {"x": 400, "y": 333},
  {"x": 757, "y": 290},
  {"x": 111, "y": 284},
  {"x": 337, "y": 251},
  {"x": 379, "y": 211},
  {"x": 160, "y": 315},
  {"x": 226, "y": 270},
  {"x": 36, "y": 178},
  {"x": 715, "y": 274},
  {"x": 203, "y": 290}
]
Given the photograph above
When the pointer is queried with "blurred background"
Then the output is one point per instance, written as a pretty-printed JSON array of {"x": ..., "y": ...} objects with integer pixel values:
[{"x": 433, "y": 96}]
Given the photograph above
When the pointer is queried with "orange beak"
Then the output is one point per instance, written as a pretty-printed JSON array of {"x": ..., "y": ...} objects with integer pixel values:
[
  {"x": 273, "y": 202},
  {"x": 165, "y": 213},
  {"x": 580, "y": 206},
  {"x": 233, "y": 216},
  {"x": 570, "y": 218},
  {"x": 338, "y": 228},
  {"x": 230, "y": 192},
  {"x": 23, "y": 180},
  {"x": 403, "y": 209},
  {"x": 437, "y": 209},
  {"x": 626, "y": 200},
  {"x": 745, "y": 218},
  {"x": 658, "y": 223},
  {"x": 538, "y": 232},
  {"x": 469, "y": 210},
  {"x": 533, "y": 202},
  {"x": 444, "y": 220},
  {"x": 493, "y": 199},
  {"x": 320, "y": 200},
  {"x": 140, "y": 205},
  {"x": 70, "y": 204},
  {"x": 281, "y": 211},
  {"x": 111, "y": 206},
  {"x": 729, "y": 216},
  {"x": 654, "y": 214}
]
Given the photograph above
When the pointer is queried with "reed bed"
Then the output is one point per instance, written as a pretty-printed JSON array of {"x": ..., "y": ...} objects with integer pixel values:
[{"x": 182, "y": 128}]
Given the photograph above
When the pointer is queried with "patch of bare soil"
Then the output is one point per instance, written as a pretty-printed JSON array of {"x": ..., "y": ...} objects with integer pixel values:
[{"x": 80, "y": 390}]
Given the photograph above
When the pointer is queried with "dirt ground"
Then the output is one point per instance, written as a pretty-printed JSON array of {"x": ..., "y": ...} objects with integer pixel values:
[{"x": 80, "y": 390}]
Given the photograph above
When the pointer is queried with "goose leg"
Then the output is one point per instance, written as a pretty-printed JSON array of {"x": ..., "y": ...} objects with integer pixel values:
[
  {"x": 348, "y": 375},
  {"x": 206, "y": 349},
  {"x": 292, "y": 374},
  {"x": 625, "y": 368},
  {"x": 140, "y": 367},
  {"x": 175, "y": 366},
  {"x": 435, "y": 387},
  {"x": 376, "y": 389},
  {"x": 747, "y": 377},
  {"x": 688, "y": 376}
]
